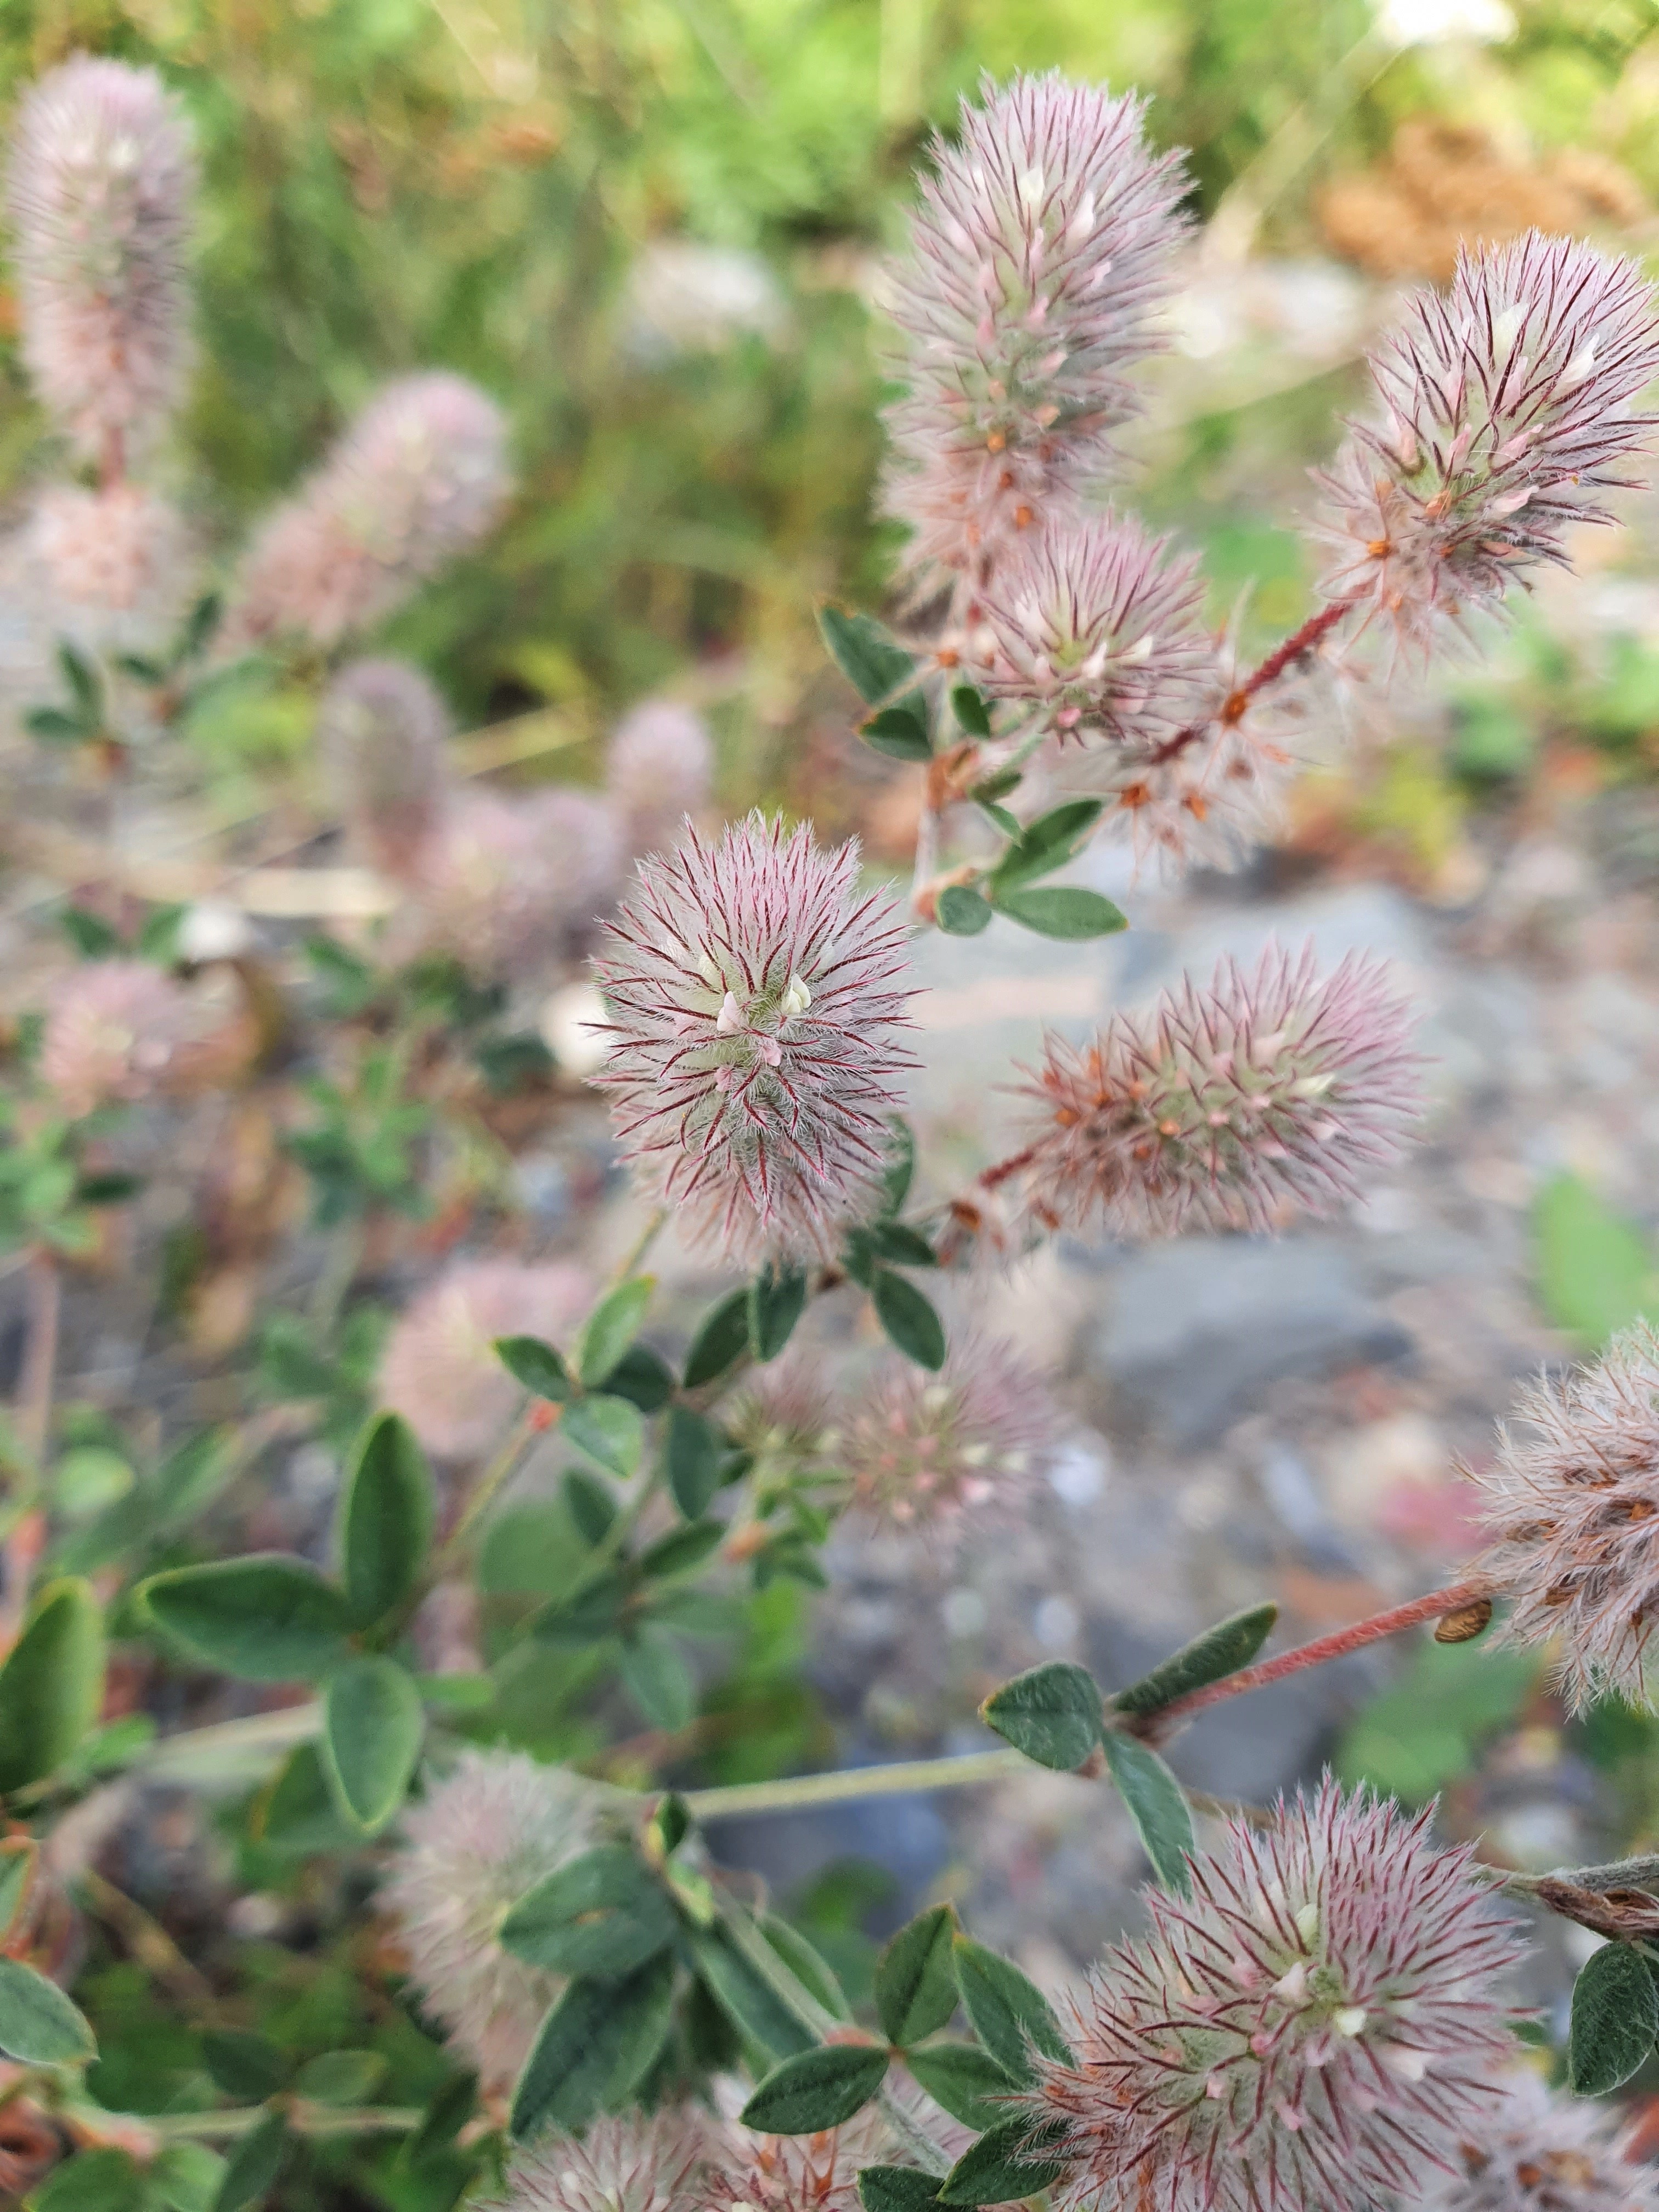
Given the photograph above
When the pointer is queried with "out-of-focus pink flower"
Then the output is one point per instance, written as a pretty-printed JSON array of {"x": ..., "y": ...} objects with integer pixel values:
[
  {"x": 1544, "y": 2152},
  {"x": 628, "y": 2164},
  {"x": 659, "y": 767},
  {"x": 439, "y": 1368},
  {"x": 100, "y": 186},
  {"x": 1505, "y": 415},
  {"x": 495, "y": 1825},
  {"x": 1042, "y": 248},
  {"x": 756, "y": 1015},
  {"x": 382, "y": 729},
  {"x": 417, "y": 480},
  {"x": 120, "y": 550},
  {"x": 117, "y": 1031},
  {"x": 1229, "y": 1103},
  {"x": 1317, "y": 2024},
  {"x": 1570, "y": 1509},
  {"x": 512, "y": 884}
]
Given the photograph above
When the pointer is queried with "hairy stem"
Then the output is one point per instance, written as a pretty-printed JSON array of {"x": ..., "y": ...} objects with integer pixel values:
[
  {"x": 1298, "y": 646},
  {"x": 1336, "y": 1645},
  {"x": 634, "y": 1258},
  {"x": 305, "y": 2119},
  {"x": 849, "y": 1783}
]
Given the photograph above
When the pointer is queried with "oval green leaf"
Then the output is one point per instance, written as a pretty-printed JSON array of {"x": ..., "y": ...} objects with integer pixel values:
[
  {"x": 38, "y": 2025},
  {"x": 909, "y": 1319},
  {"x": 915, "y": 1979},
  {"x": 1062, "y": 910},
  {"x": 594, "y": 2048},
  {"x": 609, "y": 1430},
  {"x": 1219, "y": 1651},
  {"x": 1004, "y": 2164},
  {"x": 1010, "y": 2015},
  {"x": 387, "y": 1517},
  {"x": 1052, "y": 1713},
  {"x": 51, "y": 1684},
  {"x": 602, "y": 1914},
  {"x": 816, "y": 2090},
  {"x": 694, "y": 1455},
  {"x": 373, "y": 1726},
  {"x": 961, "y": 912},
  {"x": 966, "y": 2080},
  {"x": 1616, "y": 2019},
  {"x": 776, "y": 1303},
  {"x": 538, "y": 1366},
  {"x": 1156, "y": 1806},
  {"x": 721, "y": 1340},
  {"x": 896, "y": 2189},
  {"x": 612, "y": 1328}
]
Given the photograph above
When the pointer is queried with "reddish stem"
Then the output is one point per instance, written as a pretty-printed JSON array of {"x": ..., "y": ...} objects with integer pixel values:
[
  {"x": 1295, "y": 647},
  {"x": 1336, "y": 1645}
]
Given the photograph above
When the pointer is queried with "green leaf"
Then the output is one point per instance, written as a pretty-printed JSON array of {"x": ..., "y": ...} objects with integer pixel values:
[
  {"x": 1010, "y": 2015},
  {"x": 446, "y": 2114},
  {"x": 747, "y": 2001},
  {"x": 602, "y": 1914},
  {"x": 1616, "y": 2019},
  {"x": 1052, "y": 1713},
  {"x": 916, "y": 1978},
  {"x": 372, "y": 1727},
  {"x": 82, "y": 680},
  {"x": 973, "y": 715},
  {"x": 816, "y": 2090},
  {"x": 1062, "y": 910},
  {"x": 966, "y": 2080},
  {"x": 595, "y": 2046},
  {"x": 900, "y": 1164},
  {"x": 254, "y": 2165},
  {"x": 103, "y": 2180},
  {"x": 1006, "y": 2163},
  {"x": 813, "y": 1972},
  {"x": 538, "y": 1366},
  {"x": 1046, "y": 843},
  {"x": 681, "y": 1552},
  {"x": 1156, "y": 1806},
  {"x": 896, "y": 2189},
  {"x": 92, "y": 937},
  {"x": 267, "y": 1617},
  {"x": 612, "y": 1328},
  {"x": 776, "y": 1303},
  {"x": 657, "y": 1678},
  {"x": 693, "y": 1457},
  {"x": 247, "y": 2067},
  {"x": 722, "y": 1339},
  {"x": 51, "y": 1684},
  {"x": 609, "y": 1430},
  {"x": 643, "y": 1377},
  {"x": 53, "y": 722},
  {"x": 591, "y": 1504},
  {"x": 901, "y": 733},
  {"x": 908, "y": 1319},
  {"x": 1596, "y": 1271},
  {"x": 900, "y": 1245},
  {"x": 341, "y": 2077},
  {"x": 1219, "y": 1651},
  {"x": 298, "y": 1812},
  {"x": 16, "y": 1872},
  {"x": 38, "y": 2025},
  {"x": 186, "y": 2177},
  {"x": 386, "y": 1519},
  {"x": 961, "y": 912},
  {"x": 872, "y": 662}
]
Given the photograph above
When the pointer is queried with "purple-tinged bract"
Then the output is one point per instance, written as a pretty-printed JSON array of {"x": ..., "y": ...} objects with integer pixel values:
[
  {"x": 943, "y": 1454},
  {"x": 416, "y": 481},
  {"x": 1543, "y": 2152},
  {"x": 1040, "y": 252},
  {"x": 1314, "y": 2026},
  {"x": 628, "y": 2164},
  {"x": 492, "y": 1828},
  {"x": 1095, "y": 624},
  {"x": 1505, "y": 417},
  {"x": 1263, "y": 1092},
  {"x": 101, "y": 187},
  {"x": 756, "y": 1019},
  {"x": 1573, "y": 1509}
]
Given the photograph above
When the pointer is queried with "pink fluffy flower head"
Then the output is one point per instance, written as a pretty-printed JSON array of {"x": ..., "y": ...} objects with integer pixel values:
[
  {"x": 495, "y": 1825},
  {"x": 417, "y": 480},
  {"x": 1573, "y": 1509},
  {"x": 628, "y": 2164},
  {"x": 1505, "y": 415},
  {"x": 785, "y": 1413},
  {"x": 120, "y": 550},
  {"x": 1265, "y": 1089},
  {"x": 439, "y": 1368},
  {"x": 513, "y": 883},
  {"x": 101, "y": 183},
  {"x": 659, "y": 767},
  {"x": 755, "y": 1025},
  {"x": 1313, "y": 2025},
  {"x": 382, "y": 729},
  {"x": 1095, "y": 624},
  {"x": 945, "y": 1452},
  {"x": 805, "y": 2173},
  {"x": 117, "y": 1032},
  {"x": 1541, "y": 2151},
  {"x": 1041, "y": 250}
]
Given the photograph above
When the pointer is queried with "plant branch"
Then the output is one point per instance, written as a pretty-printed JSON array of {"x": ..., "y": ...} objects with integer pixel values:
[
  {"x": 847, "y": 1784},
  {"x": 1336, "y": 1645},
  {"x": 148, "y": 1941},
  {"x": 1299, "y": 646},
  {"x": 305, "y": 2119},
  {"x": 634, "y": 1259}
]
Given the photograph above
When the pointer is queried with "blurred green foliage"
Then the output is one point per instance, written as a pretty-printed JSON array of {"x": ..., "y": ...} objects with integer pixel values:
[
  {"x": 1426, "y": 1729},
  {"x": 1596, "y": 1271}
]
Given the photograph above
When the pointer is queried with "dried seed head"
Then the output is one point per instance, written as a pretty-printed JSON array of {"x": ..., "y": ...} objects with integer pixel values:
[
  {"x": 1573, "y": 1509},
  {"x": 1314, "y": 2026},
  {"x": 512, "y": 885},
  {"x": 659, "y": 767},
  {"x": 628, "y": 2164},
  {"x": 439, "y": 1368},
  {"x": 1544, "y": 2153},
  {"x": 1039, "y": 254},
  {"x": 416, "y": 481},
  {"x": 946, "y": 1453},
  {"x": 101, "y": 182},
  {"x": 118, "y": 1032},
  {"x": 1506, "y": 412},
  {"x": 382, "y": 730},
  {"x": 1095, "y": 623},
  {"x": 496, "y": 1824},
  {"x": 756, "y": 1019},
  {"x": 1264, "y": 1091}
]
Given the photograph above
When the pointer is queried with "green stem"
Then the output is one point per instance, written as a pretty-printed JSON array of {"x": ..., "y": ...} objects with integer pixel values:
[
  {"x": 634, "y": 1259},
  {"x": 500, "y": 1470},
  {"x": 304, "y": 2119},
  {"x": 339, "y": 1272},
  {"x": 849, "y": 1783}
]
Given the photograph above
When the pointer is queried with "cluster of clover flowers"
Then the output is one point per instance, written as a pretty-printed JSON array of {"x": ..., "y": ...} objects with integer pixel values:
[{"x": 1314, "y": 2016}]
